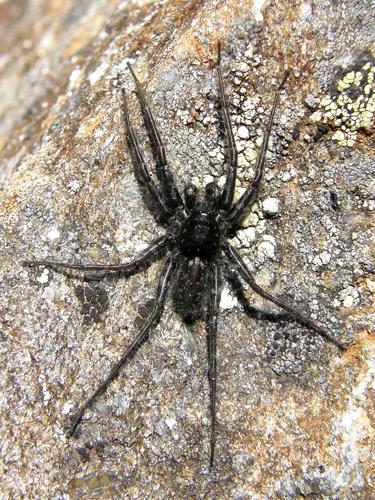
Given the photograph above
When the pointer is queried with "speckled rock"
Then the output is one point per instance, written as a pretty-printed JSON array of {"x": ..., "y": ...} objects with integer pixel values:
[{"x": 294, "y": 415}]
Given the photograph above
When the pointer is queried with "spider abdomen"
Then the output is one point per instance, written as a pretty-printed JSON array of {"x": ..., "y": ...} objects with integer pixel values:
[
  {"x": 190, "y": 289},
  {"x": 199, "y": 235}
]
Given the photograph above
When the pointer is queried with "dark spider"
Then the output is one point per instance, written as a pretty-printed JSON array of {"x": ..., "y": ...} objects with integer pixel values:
[{"x": 196, "y": 243}]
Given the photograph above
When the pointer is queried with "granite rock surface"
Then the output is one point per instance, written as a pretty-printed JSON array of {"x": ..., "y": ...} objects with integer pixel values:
[{"x": 295, "y": 415}]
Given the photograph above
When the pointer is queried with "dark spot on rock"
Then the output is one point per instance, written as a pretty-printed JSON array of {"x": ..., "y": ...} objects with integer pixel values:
[
  {"x": 333, "y": 200},
  {"x": 322, "y": 130},
  {"x": 84, "y": 454},
  {"x": 296, "y": 132},
  {"x": 94, "y": 302}
]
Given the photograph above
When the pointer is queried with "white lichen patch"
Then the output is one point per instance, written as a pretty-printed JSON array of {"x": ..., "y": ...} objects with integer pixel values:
[
  {"x": 243, "y": 132},
  {"x": 370, "y": 285},
  {"x": 270, "y": 206},
  {"x": 352, "y": 108},
  {"x": 228, "y": 300},
  {"x": 257, "y": 10},
  {"x": 96, "y": 75},
  {"x": 170, "y": 422},
  {"x": 44, "y": 277},
  {"x": 349, "y": 296},
  {"x": 45, "y": 392},
  {"x": 75, "y": 78},
  {"x": 246, "y": 236},
  {"x": 266, "y": 248},
  {"x": 251, "y": 219},
  {"x": 66, "y": 408},
  {"x": 53, "y": 234},
  {"x": 322, "y": 259},
  {"x": 238, "y": 192}
]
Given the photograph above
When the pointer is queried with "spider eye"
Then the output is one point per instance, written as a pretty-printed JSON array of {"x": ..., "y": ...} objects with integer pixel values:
[
  {"x": 190, "y": 194},
  {"x": 213, "y": 193}
]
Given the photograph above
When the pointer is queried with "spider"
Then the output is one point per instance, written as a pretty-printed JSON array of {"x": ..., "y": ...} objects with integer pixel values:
[{"x": 195, "y": 243}]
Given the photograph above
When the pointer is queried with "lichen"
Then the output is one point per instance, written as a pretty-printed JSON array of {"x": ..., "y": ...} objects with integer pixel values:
[{"x": 352, "y": 108}]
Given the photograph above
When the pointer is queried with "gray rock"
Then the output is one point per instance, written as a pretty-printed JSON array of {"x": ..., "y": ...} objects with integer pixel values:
[{"x": 294, "y": 414}]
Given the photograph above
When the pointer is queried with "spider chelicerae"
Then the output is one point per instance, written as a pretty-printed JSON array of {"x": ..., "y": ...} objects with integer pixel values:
[{"x": 196, "y": 246}]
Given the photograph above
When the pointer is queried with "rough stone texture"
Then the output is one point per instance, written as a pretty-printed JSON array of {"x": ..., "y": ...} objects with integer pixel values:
[{"x": 294, "y": 415}]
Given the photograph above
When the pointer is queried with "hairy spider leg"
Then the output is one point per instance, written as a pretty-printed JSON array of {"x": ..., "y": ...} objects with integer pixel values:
[
  {"x": 228, "y": 191},
  {"x": 170, "y": 191},
  {"x": 239, "y": 264},
  {"x": 157, "y": 249},
  {"x": 140, "y": 166},
  {"x": 211, "y": 327},
  {"x": 238, "y": 289},
  {"x": 235, "y": 213},
  {"x": 140, "y": 339}
]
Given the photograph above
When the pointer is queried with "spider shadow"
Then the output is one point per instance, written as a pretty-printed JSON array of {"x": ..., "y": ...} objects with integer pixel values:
[
  {"x": 90, "y": 277},
  {"x": 253, "y": 312}
]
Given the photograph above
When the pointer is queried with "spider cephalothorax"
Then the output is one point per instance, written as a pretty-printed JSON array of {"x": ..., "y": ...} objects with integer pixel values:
[
  {"x": 200, "y": 233},
  {"x": 198, "y": 253}
]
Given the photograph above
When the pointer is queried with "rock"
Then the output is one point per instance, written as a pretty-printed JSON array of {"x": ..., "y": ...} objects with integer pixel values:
[
  {"x": 294, "y": 413},
  {"x": 243, "y": 132}
]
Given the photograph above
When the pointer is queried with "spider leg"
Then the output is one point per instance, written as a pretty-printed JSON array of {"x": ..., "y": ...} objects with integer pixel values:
[
  {"x": 140, "y": 166},
  {"x": 239, "y": 264},
  {"x": 156, "y": 250},
  {"x": 238, "y": 289},
  {"x": 235, "y": 213},
  {"x": 140, "y": 339},
  {"x": 228, "y": 191},
  {"x": 211, "y": 327},
  {"x": 171, "y": 194}
]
